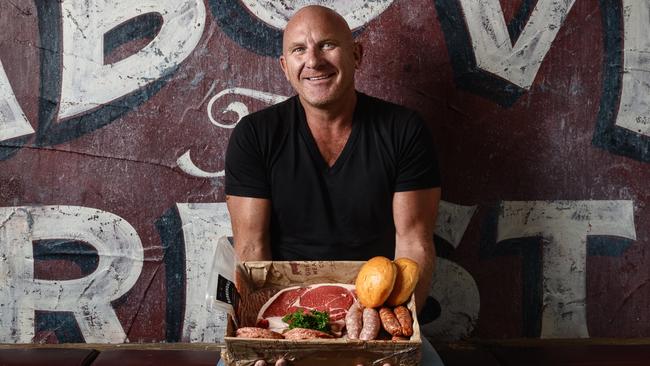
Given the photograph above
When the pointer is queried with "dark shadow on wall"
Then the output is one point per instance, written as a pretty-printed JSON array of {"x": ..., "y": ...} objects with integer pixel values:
[
  {"x": 530, "y": 251},
  {"x": 62, "y": 325},
  {"x": 145, "y": 26},
  {"x": 245, "y": 29},
  {"x": 170, "y": 229}
]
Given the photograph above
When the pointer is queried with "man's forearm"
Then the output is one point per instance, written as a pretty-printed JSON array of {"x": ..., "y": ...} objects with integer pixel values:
[
  {"x": 247, "y": 250},
  {"x": 424, "y": 253},
  {"x": 250, "y": 218}
]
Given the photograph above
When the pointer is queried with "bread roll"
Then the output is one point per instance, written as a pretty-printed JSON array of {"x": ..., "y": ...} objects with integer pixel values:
[
  {"x": 375, "y": 281},
  {"x": 408, "y": 273}
]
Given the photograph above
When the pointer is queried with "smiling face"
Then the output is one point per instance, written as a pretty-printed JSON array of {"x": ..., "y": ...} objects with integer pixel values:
[{"x": 319, "y": 57}]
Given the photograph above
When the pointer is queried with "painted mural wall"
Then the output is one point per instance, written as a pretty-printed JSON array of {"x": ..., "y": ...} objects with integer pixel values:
[{"x": 115, "y": 115}]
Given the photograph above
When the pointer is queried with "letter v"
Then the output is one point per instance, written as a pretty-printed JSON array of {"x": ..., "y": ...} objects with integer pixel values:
[{"x": 493, "y": 48}]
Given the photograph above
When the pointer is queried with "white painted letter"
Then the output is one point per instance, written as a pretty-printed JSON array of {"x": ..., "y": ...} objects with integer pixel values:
[
  {"x": 452, "y": 221},
  {"x": 457, "y": 293},
  {"x": 453, "y": 287},
  {"x": 87, "y": 83},
  {"x": 493, "y": 47},
  {"x": 205, "y": 227},
  {"x": 565, "y": 225},
  {"x": 634, "y": 107},
  {"x": 13, "y": 122},
  {"x": 120, "y": 262},
  {"x": 276, "y": 13}
]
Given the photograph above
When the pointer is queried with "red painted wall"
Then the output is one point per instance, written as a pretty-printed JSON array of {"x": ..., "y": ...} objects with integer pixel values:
[{"x": 497, "y": 142}]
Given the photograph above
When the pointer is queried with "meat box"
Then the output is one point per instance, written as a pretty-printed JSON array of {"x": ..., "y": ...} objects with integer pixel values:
[{"x": 259, "y": 281}]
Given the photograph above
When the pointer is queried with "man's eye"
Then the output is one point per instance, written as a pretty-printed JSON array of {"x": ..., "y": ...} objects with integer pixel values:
[
  {"x": 328, "y": 46},
  {"x": 298, "y": 49}
]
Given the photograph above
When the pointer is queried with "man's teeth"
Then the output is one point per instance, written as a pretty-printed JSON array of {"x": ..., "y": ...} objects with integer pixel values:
[{"x": 319, "y": 77}]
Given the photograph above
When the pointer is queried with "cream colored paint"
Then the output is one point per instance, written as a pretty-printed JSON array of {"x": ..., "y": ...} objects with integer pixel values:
[
  {"x": 13, "y": 122},
  {"x": 88, "y": 83},
  {"x": 564, "y": 227},
  {"x": 634, "y": 107},
  {"x": 277, "y": 13},
  {"x": 89, "y": 298},
  {"x": 517, "y": 62}
]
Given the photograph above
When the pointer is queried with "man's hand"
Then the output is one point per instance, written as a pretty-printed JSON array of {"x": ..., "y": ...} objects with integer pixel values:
[
  {"x": 250, "y": 219},
  {"x": 414, "y": 213}
]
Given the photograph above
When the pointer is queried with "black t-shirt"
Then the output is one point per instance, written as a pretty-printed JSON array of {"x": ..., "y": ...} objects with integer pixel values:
[{"x": 343, "y": 212}]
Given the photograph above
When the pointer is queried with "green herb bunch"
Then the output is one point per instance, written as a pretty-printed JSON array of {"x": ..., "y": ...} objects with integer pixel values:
[{"x": 317, "y": 320}]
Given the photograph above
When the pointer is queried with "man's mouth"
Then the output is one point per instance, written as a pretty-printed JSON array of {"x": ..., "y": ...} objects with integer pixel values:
[{"x": 320, "y": 77}]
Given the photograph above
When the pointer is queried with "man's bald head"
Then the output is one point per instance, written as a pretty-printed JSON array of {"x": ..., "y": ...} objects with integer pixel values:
[
  {"x": 320, "y": 57},
  {"x": 312, "y": 13}
]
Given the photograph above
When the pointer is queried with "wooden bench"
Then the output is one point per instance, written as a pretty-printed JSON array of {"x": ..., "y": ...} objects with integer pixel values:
[
  {"x": 47, "y": 356},
  {"x": 589, "y": 352}
]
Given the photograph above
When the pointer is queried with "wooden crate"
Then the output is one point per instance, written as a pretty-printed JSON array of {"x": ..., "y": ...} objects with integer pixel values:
[{"x": 272, "y": 276}]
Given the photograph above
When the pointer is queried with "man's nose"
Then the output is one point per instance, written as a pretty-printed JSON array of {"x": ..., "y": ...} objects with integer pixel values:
[{"x": 314, "y": 57}]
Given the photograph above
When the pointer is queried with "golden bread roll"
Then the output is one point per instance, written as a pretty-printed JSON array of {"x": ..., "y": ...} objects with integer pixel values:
[
  {"x": 375, "y": 281},
  {"x": 408, "y": 273}
]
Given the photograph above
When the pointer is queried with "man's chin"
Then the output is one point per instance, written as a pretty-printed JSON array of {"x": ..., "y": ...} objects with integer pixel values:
[{"x": 319, "y": 102}]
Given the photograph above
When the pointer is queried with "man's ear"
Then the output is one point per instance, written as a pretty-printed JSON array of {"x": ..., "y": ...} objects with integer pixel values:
[
  {"x": 283, "y": 66},
  {"x": 358, "y": 54}
]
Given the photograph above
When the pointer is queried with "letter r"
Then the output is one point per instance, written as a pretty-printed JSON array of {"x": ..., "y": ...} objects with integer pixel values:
[{"x": 89, "y": 298}]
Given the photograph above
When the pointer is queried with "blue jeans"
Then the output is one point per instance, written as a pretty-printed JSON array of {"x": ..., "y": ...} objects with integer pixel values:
[{"x": 429, "y": 356}]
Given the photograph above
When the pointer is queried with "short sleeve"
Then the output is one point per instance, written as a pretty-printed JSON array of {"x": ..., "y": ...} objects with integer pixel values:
[
  {"x": 417, "y": 164},
  {"x": 246, "y": 172}
]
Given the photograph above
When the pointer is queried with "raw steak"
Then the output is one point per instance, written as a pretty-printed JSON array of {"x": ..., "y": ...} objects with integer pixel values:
[{"x": 334, "y": 298}]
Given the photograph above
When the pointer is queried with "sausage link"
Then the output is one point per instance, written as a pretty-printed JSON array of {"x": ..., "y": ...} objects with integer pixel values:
[
  {"x": 389, "y": 321},
  {"x": 403, "y": 315},
  {"x": 254, "y": 332},
  {"x": 353, "y": 321},
  {"x": 304, "y": 333},
  {"x": 371, "y": 324}
]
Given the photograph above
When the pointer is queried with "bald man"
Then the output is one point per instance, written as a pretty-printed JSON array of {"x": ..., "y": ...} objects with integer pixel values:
[{"x": 331, "y": 173}]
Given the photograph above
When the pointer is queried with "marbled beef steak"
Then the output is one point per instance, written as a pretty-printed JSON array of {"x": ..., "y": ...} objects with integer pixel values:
[{"x": 335, "y": 299}]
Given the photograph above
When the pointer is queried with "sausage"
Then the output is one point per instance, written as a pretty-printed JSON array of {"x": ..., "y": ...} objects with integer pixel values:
[
  {"x": 389, "y": 321},
  {"x": 353, "y": 321},
  {"x": 399, "y": 338},
  {"x": 304, "y": 333},
  {"x": 371, "y": 324},
  {"x": 254, "y": 332},
  {"x": 403, "y": 315}
]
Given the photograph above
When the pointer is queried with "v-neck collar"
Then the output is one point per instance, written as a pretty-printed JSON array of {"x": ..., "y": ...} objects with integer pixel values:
[{"x": 312, "y": 146}]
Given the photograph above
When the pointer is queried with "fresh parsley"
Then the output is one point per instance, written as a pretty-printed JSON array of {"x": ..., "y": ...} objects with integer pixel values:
[{"x": 317, "y": 320}]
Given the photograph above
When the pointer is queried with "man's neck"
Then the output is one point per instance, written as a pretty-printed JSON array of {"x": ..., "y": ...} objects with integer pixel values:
[
  {"x": 331, "y": 117},
  {"x": 331, "y": 127}
]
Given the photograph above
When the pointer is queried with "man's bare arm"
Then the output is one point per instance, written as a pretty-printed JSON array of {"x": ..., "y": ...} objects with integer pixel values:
[
  {"x": 415, "y": 214},
  {"x": 250, "y": 219}
]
